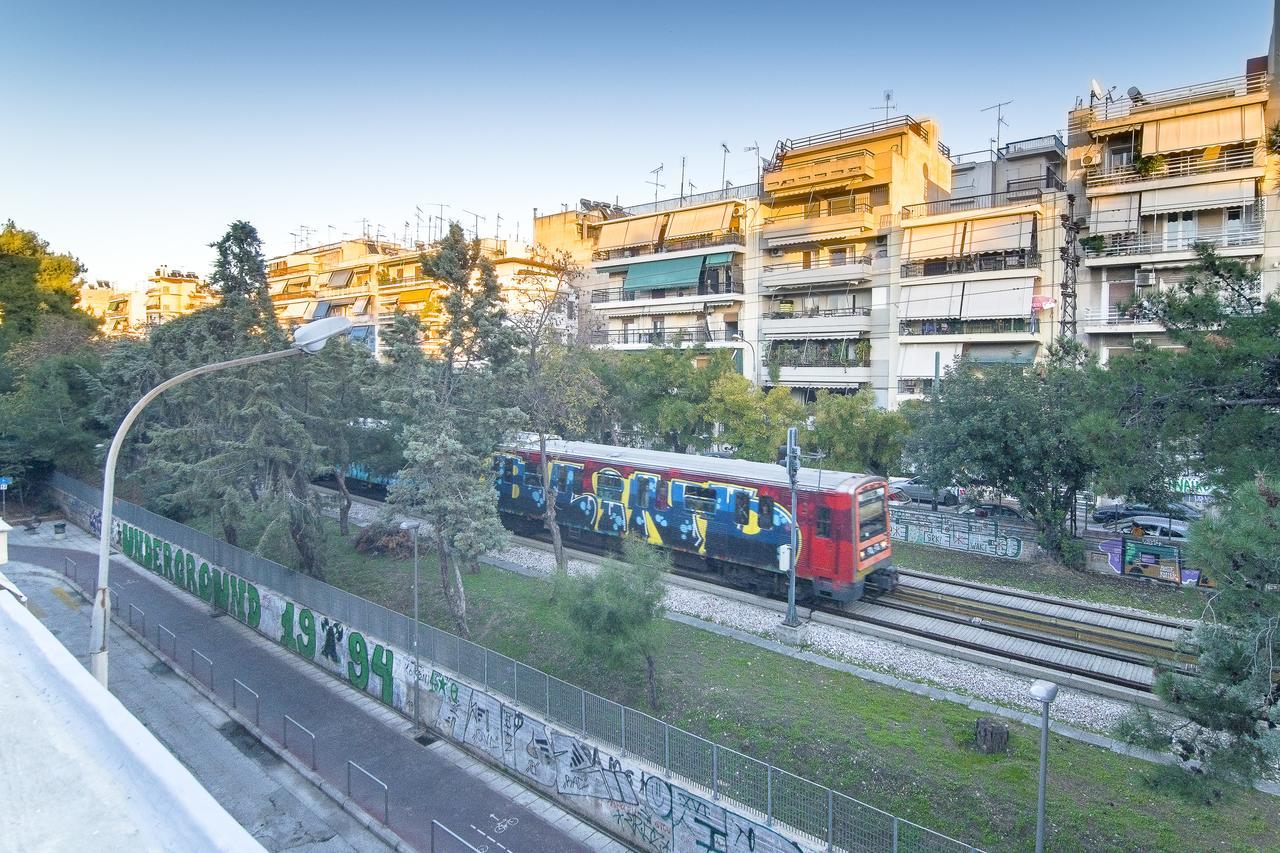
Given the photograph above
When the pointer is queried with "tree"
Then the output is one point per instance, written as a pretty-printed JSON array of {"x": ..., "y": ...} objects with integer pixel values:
[
  {"x": 616, "y": 612},
  {"x": 662, "y": 394},
  {"x": 239, "y": 270},
  {"x": 855, "y": 435},
  {"x": 754, "y": 422},
  {"x": 35, "y": 282},
  {"x": 1230, "y": 709}
]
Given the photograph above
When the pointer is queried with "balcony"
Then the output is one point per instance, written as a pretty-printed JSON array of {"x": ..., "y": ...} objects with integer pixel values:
[
  {"x": 839, "y": 170},
  {"x": 1115, "y": 320},
  {"x": 818, "y": 322},
  {"x": 1128, "y": 248},
  {"x": 732, "y": 238},
  {"x": 1039, "y": 145},
  {"x": 745, "y": 191},
  {"x": 873, "y": 128},
  {"x": 1020, "y": 191},
  {"x": 816, "y": 224},
  {"x": 1000, "y": 326},
  {"x": 1018, "y": 259},
  {"x": 1245, "y": 84},
  {"x": 683, "y": 336},
  {"x": 1177, "y": 167},
  {"x": 837, "y": 270},
  {"x": 608, "y": 295},
  {"x": 820, "y": 365}
]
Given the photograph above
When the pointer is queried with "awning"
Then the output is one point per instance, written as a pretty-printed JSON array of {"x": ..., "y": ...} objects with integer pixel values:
[
  {"x": 934, "y": 241},
  {"x": 293, "y": 310},
  {"x": 1226, "y": 194},
  {"x": 1114, "y": 214},
  {"x": 1006, "y": 297},
  {"x": 812, "y": 237},
  {"x": 317, "y": 309},
  {"x": 1220, "y": 127},
  {"x": 916, "y": 361},
  {"x": 718, "y": 258},
  {"x": 671, "y": 272},
  {"x": 340, "y": 278},
  {"x": 696, "y": 221},
  {"x": 809, "y": 335},
  {"x": 1001, "y": 233},
  {"x": 1001, "y": 353},
  {"x": 641, "y": 309},
  {"x": 361, "y": 304},
  {"x": 931, "y": 301},
  {"x": 296, "y": 284},
  {"x": 359, "y": 333},
  {"x": 622, "y": 233}
]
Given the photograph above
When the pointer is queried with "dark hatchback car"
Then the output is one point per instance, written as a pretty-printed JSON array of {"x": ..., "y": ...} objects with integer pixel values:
[{"x": 1119, "y": 512}]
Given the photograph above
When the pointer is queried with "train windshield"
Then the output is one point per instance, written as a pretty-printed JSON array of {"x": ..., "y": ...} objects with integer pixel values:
[{"x": 872, "y": 520}]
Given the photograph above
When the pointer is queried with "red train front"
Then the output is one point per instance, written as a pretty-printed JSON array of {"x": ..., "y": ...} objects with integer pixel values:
[{"x": 723, "y": 516}]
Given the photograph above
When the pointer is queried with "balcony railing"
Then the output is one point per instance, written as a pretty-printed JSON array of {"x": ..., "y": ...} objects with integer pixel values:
[
  {"x": 1117, "y": 317},
  {"x": 817, "y": 312},
  {"x": 815, "y": 212},
  {"x": 726, "y": 194},
  {"x": 1019, "y": 191},
  {"x": 620, "y": 294},
  {"x": 1000, "y": 326},
  {"x": 1021, "y": 259},
  {"x": 1176, "y": 167},
  {"x": 818, "y": 263},
  {"x": 732, "y": 238},
  {"x": 1249, "y": 234},
  {"x": 1245, "y": 84},
  {"x": 787, "y": 145},
  {"x": 661, "y": 337},
  {"x": 1021, "y": 147},
  {"x": 815, "y": 359}
]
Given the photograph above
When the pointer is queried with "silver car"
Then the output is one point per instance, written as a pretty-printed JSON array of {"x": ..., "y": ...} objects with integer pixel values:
[{"x": 919, "y": 491}]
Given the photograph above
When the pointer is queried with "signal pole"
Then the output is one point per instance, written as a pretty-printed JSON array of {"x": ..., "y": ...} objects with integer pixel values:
[
  {"x": 1071, "y": 264},
  {"x": 791, "y": 459}
]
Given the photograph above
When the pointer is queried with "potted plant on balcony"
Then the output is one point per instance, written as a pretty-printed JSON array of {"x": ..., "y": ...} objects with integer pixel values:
[
  {"x": 1093, "y": 243},
  {"x": 1148, "y": 165},
  {"x": 862, "y": 352}
]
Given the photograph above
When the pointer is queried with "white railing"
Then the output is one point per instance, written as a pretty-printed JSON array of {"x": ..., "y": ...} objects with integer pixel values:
[
  {"x": 1153, "y": 244},
  {"x": 1232, "y": 86},
  {"x": 1177, "y": 167},
  {"x": 1116, "y": 317}
]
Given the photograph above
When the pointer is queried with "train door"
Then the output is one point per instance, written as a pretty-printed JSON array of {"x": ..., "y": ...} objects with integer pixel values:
[
  {"x": 642, "y": 503},
  {"x": 574, "y": 509},
  {"x": 730, "y": 528},
  {"x": 610, "y": 489}
]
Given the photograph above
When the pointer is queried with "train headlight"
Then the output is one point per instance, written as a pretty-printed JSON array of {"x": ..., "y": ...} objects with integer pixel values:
[{"x": 872, "y": 550}]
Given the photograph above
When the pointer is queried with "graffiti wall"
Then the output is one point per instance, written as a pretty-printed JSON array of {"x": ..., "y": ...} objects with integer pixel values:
[
  {"x": 1133, "y": 556},
  {"x": 616, "y": 793},
  {"x": 948, "y": 530},
  {"x": 646, "y": 810}
]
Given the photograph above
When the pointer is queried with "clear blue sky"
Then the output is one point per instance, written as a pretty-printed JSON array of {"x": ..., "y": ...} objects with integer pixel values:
[{"x": 132, "y": 133}]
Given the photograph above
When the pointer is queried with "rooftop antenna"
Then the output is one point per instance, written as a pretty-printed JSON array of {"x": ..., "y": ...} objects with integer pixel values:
[
  {"x": 999, "y": 108},
  {"x": 406, "y": 232},
  {"x": 691, "y": 188},
  {"x": 497, "y": 228},
  {"x": 889, "y": 104},
  {"x": 331, "y": 230},
  {"x": 681, "y": 179},
  {"x": 431, "y": 220},
  {"x": 724, "y": 161},
  {"x": 417, "y": 224},
  {"x": 759, "y": 159},
  {"x": 475, "y": 231},
  {"x": 294, "y": 235},
  {"x": 657, "y": 173},
  {"x": 364, "y": 227}
]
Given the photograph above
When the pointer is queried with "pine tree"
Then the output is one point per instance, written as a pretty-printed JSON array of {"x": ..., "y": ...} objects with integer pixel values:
[{"x": 240, "y": 272}]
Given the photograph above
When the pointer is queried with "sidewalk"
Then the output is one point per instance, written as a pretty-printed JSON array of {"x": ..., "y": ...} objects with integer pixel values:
[{"x": 424, "y": 782}]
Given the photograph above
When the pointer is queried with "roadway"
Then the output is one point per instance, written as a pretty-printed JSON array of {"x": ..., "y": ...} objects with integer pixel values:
[{"x": 423, "y": 784}]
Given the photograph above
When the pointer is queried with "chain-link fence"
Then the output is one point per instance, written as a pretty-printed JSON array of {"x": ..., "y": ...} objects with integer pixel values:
[{"x": 755, "y": 788}]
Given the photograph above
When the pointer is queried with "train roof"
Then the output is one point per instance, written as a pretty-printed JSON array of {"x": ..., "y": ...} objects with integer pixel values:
[{"x": 738, "y": 469}]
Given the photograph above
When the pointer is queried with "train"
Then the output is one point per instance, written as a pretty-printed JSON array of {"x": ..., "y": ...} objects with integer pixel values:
[{"x": 723, "y": 517}]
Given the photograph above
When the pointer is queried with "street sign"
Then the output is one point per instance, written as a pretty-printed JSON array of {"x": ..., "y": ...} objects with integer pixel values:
[{"x": 5, "y": 481}]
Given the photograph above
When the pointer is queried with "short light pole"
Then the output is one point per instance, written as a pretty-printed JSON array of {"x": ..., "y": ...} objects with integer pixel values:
[
  {"x": 755, "y": 364},
  {"x": 309, "y": 338},
  {"x": 791, "y": 458},
  {"x": 417, "y": 678},
  {"x": 1044, "y": 692}
]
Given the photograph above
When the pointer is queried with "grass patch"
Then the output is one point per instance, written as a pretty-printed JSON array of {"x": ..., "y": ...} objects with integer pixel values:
[
  {"x": 903, "y": 753},
  {"x": 1048, "y": 578}
]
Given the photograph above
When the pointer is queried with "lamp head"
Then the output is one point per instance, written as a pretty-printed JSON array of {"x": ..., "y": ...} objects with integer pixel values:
[
  {"x": 1044, "y": 691},
  {"x": 410, "y": 525},
  {"x": 311, "y": 337}
]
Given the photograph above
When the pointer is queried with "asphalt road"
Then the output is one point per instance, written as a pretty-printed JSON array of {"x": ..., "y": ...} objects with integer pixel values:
[{"x": 422, "y": 785}]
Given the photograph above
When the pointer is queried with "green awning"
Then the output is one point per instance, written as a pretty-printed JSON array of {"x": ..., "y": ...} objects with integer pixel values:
[
  {"x": 1000, "y": 353},
  {"x": 719, "y": 258},
  {"x": 672, "y": 272}
]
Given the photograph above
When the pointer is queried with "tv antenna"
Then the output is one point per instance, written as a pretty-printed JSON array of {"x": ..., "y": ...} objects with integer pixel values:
[
  {"x": 999, "y": 108},
  {"x": 889, "y": 104},
  {"x": 475, "y": 231},
  {"x": 724, "y": 161},
  {"x": 759, "y": 159},
  {"x": 657, "y": 173},
  {"x": 497, "y": 228}
]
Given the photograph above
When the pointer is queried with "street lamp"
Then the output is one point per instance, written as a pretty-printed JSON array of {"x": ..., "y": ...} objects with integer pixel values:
[
  {"x": 309, "y": 338},
  {"x": 755, "y": 373},
  {"x": 1043, "y": 692},
  {"x": 414, "y": 525}
]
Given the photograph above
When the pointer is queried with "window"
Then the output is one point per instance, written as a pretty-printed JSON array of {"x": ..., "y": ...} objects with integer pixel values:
[
  {"x": 609, "y": 488},
  {"x": 812, "y": 209},
  {"x": 879, "y": 196},
  {"x": 765, "y": 511},
  {"x": 644, "y": 491},
  {"x": 533, "y": 479},
  {"x": 1179, "y": 229},
  {"x": 839, "y": 257},
  {"x": 1119, "y": 155},
  {"x": 700, "y": 500},
  {"x": 872, "y": 521},
  {"x": 806, "y": 260},
  {"x": 711, "y": 279},
  {"x": 513, "y": 470},
  {"x": 840, "y": 204},
  {"x": 741, "y": 508},
  {"x": 823, "y": 524}
]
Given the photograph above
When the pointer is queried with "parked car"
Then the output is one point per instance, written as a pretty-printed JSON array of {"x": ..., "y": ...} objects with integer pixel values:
[
  {"x": 994, "y": 512},
  {"x": 1152, "y": 526},
  {"x": 897, "y": 497},
  {"x": 918, "y": 490},
  {"x": 1179, "y": 510}
]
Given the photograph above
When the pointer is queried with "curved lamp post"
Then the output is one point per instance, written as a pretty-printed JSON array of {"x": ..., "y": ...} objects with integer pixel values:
[
  {"x": 755, "y": 364},
  {"x": 309, "y": 338},
  {"x": 1043, "y": 692}
]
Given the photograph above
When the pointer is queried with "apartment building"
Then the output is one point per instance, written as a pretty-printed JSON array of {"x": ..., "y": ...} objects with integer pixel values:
[
  {"x": 173, "y": 293},
  {"x": 120, "y": 312},
  {"x": 976, "y": 275},
  {"x": 1158, "y": 172}
]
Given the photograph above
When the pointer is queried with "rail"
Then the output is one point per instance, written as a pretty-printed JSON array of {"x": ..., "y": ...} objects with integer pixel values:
[
  {"x": 819, "y": 263},
  {"x": 998, "y": 326},
  {"x": 816, "y": 360},
  {"x": 745, "y": 191},
  {"x": 817, "y": 211},
  {"x": 1019, "y": 191},
  {"x": 1175, "y": 167},
  {"x": 1244, "y": 84},
  {"x": 621, "y": 294},
  {"x": 1020, "y": 259},
  {"x": 904, "y": 121},
  {"x": 817, "y": 312},
  {"x": 1052, "y": 142},
  {"x": 662, "y": 337},
  {"x": 1250, "y": 234},
  {"x": 1117, "y": 317},
  {"x": 730, "y": 238}
]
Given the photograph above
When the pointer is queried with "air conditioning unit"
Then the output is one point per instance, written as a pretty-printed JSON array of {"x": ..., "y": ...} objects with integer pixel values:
[
  {"x": 1144, "y": 278},
  {"x": 775, "y": 253},
  {"x": 1091, "y": 160}
]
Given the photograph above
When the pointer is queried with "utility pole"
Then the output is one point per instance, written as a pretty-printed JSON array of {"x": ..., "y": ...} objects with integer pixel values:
[{"x": 1070, "y": 264}]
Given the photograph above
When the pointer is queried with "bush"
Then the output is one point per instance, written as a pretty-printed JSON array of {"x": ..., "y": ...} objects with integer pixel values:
[{"x": 384, "y": 538}]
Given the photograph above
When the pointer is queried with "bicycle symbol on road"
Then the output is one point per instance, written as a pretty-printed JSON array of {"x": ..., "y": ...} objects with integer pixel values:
[{"x": 501, "y": 825}]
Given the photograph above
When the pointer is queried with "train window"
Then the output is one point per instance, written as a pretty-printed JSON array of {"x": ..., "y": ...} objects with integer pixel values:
[
  {"x": 741, "y": 508},
  {"x": 700, "y": 500},
  {"x": 534, "y": 479},
  {"x": 513, "y": 469},
  {"x": 872, "y": 519},
  {"x": 823, "y": 524},
  {"x": 766, "y": 513},
  {"x": 609, "y": 488},
  {"x": 644, "y": 491}
]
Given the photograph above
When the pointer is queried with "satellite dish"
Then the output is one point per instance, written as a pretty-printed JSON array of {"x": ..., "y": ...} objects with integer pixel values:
[
  {"x": 1135, "y": 95},
  {"x": 1096, "y": 91}
]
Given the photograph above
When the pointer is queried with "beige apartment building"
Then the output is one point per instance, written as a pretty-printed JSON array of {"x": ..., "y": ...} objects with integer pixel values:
[{"x": 169, "y": 293}]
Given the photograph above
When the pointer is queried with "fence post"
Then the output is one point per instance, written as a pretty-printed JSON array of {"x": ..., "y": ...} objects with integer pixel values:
[
  {"x": 830, "y": 818},
  {"x": 666, "y": 749},
  {"x": 895, "y": 834},
  {"x": 583, "y": 694},
  {"x": 486, "y": 668},
  {"x": 715, "y": 770},
  {"x": 547, "y": 696},
  {"x": 622, "y": 710},
  {"x": 515, "y": 681},
  {"x": 769, "y": 797}
]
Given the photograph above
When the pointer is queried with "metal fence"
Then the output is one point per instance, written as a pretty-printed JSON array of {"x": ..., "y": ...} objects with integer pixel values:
[{"x": 759, "y": 790}]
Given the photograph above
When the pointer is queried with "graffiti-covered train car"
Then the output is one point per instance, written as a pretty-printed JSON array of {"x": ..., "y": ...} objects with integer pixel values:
[{"x": 728, "y": 515}]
